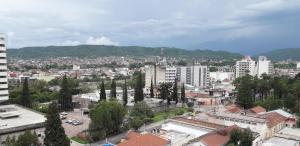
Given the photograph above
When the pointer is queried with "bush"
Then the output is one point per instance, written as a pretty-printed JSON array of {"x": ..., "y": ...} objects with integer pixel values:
[
  {"x": 190, "y": 109},
  {"x": 190, "y": 104},
  {"x": 179, "y": 112}
]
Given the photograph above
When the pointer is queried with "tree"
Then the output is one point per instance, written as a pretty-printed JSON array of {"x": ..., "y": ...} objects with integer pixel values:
[
  {"x": 175, "y": 92},
  {"x": 135, "y": 123},
  {"x": 138, "y": 90},
  {"x": 113, "y": 90},
  {"x": 244, "y": 91},
  {"x": 164, "y": 92},
  {"x": 65, "y": 94},
  {"x": 102, "y": 92},
  {"x": 10, "y": 141},
  {"x": 182, "y": 98},
  {"x": 54, "y": 132},
  {"x": 106, "y": 119},
  {"x": 235, "y": 136},
  {"x": 296, "y": 90},
  {"x": 140, "y": 114},
  {"x": 240, "y": 137},
  {"x": 25, "y": 98},
  {"x": 151, "y": 90},
  {"x": 125, "y": 95},
  {"x": 246, "y": 138},
  {"x": 25, "y": 139}
]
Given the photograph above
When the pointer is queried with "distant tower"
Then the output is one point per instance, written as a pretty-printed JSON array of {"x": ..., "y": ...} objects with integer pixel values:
[
  {"x": 3, "y": 70},
  {"x": 162, "y": 52}
]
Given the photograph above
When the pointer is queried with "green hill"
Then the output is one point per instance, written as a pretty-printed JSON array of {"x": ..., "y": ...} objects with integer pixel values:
[
  {"x": 99, "y": 50},
  {"x": 283, "y": 54}
]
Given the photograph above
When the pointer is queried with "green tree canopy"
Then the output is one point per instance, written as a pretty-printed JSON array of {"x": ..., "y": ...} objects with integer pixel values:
[
  {"x": 106, "y": 119},
  {"x": 54, "y": 132}
]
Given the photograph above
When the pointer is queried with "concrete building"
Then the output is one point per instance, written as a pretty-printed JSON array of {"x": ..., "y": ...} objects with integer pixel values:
[
  {"x": 3, "y": 70},
  {"x": 171, "y": 74},
  {"x": 197, "y": 76},
  {"x": 298, "y": 67},
  {"x": 264, "y": 66},
  {"x": 15, "y": 120},
  {"x": 244, "y": 66},
  {"x": 154, "y": 73}
]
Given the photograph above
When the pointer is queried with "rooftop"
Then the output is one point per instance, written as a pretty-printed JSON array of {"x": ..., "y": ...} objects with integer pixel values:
[
  {"x": 220, "y": 137},
  {"x": 258, "y": 109},
  {"x": 148, "y": 139},
  {"x": 16, "y": 118},
  {"x": 277, "y": 141}
]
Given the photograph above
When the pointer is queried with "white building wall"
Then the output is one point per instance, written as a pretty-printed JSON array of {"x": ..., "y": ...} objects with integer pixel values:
[
  {"x": 194, "y": 75},
  {"x": 3, "y": 70},
  {"x": 263, "y": 66},
  {"x": 245, "y": 65}
]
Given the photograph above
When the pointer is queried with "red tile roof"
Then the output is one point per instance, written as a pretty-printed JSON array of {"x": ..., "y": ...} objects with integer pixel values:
[
  {"x": 258, "y": 109},
  {"x": 274, "y": 119},
  {"x": 148, "y": 139},
  {"x": 218, "y": 138}
]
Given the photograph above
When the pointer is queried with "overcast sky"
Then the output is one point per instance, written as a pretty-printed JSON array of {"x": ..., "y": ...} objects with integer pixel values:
[{"x": 246, "y": 26}]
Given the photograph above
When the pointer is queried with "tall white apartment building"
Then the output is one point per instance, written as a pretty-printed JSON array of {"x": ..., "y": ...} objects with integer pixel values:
[
  {"x": 171, "y": 74},
  {"x": 3, "y": 70},
  {"x": 298, "y": 67},
  {"x": 194, "y": 75},
  {"x": 264, "y": 66},
  {"x": 245, "y": 66}
]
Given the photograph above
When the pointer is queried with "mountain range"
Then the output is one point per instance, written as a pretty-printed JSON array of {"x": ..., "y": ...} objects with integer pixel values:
[{"x": 100, "y": 50}]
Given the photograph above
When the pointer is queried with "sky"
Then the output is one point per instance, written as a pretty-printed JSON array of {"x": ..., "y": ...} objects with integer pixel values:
[{"x": 243, "y": 26}]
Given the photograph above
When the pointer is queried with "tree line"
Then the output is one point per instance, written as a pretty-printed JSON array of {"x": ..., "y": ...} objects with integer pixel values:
[{"x": 269, "y": 92}]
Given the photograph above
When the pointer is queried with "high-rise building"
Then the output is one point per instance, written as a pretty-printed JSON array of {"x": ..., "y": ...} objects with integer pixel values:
[
  {"x": 3, "y": 70},
  {"x": 264, "y": 66},
  {"x": 245, "y": 66},
  {"x": 171, "y": 74},
  {"x": 194, "y": 75}
]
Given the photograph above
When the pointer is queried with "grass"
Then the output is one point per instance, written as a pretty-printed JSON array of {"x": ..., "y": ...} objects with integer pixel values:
[
  {"x": 77, "y": 139},
  {"x": 159, "y": 116}
]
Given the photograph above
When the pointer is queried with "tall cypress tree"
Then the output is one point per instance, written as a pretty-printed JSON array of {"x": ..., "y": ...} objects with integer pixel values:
[
  {"x": 25, "y": 98},
  {"x": 151, "y": 90},
  {"x": 54, "y": 132},
  {"x": 138, "y": 90},
  {"x": 175, "y": 92},
  {"x": 182, "y": 98},
  {"x": 113, "y": 90},
  {"x": 102, "y": 92},
  {"x": 125, "y": 96},
  {"x": 65, "y": 95}
]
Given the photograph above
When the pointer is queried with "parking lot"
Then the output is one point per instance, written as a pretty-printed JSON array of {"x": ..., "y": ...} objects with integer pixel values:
[{"x": 80, "y": 122}]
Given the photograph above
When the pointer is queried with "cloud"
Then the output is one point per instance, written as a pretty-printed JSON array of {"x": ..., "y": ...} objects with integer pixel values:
[
  {"x": 174, "y": 23},
  {"x": 70, "y": 43},
  {"x": 101, "y": 41}
]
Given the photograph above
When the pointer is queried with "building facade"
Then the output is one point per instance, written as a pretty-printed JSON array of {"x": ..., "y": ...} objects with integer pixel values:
[
  {"x": 245, "y": 66},
  {"x": 197, "y": 76},
  {"x": 264, "y": 66},
  {"x": 3, "y": 70}
]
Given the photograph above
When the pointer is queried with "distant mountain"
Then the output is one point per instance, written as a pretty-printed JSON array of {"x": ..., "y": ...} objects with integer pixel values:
[
  {"x": 283, "y": 54},
  {"x": 99, "y": 50}
]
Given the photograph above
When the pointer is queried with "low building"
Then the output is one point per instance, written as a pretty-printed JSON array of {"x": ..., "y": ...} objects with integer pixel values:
[
  {"x": 15, "y": 120},
  {"x": 144, "y": 139}
]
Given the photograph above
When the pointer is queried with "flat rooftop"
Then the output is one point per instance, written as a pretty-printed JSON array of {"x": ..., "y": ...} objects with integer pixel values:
[
  {"x": 15, "y": 118},
  {"x": 277, "y": 141}
]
